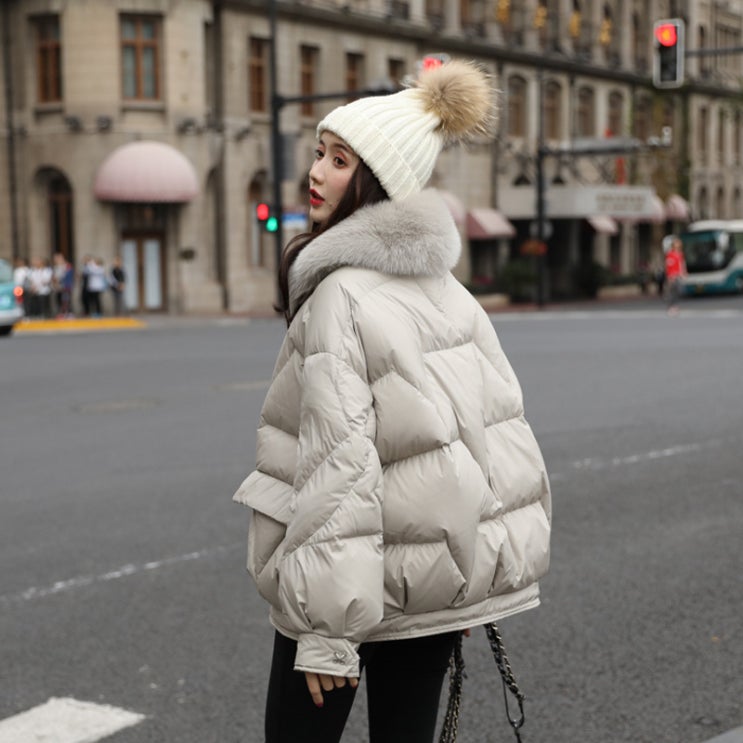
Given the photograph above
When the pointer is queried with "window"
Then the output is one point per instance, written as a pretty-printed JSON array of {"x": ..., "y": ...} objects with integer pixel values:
[
  {"x": 736, "y": 138},
  {"x": 640, "y": 42},
  {"x": 210, "y": 67},
  {"x": 258, "y": 75},
  {"x": 702, "y": 124},
  {"x": 721, "y": 119},
  {"x": 60, "y": 203},
  {"x": 140, "y": 54},
  {"x": 704, "y": 63},
  {"x": 435, "y": 13},
  {"x": 354, "y": 72},
  {"x": 48, "y": 59},
  {"x": 720, "y": 203},
  {"x": 471, "y": 17},
  {"x": 642, "y": 118},
  {"x": 586, "y": 115},
  {"x": 517, "y": 106},
  {"x": 552, "y": 111},
  {"x": 614, "y": 125},
  {"x": 308, "y": 56},
  {"x": 396, "y": 69}
]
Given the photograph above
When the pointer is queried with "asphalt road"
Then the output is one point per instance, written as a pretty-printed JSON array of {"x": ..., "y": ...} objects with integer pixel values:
[{"x": 122, "y": 557}]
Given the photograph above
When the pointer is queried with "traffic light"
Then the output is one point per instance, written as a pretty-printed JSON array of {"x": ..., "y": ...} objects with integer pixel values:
[
  {"x": 668, "y": 53},
  {"x": 266, "y": 219},
  {"x": 431, "y": 61}
]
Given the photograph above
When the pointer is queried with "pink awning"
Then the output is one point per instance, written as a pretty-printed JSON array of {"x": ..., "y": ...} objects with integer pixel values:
[
  {"x": 146, "y": 171},
  {"x": 677, "y": 209},
  {"x": 487, "y": 223},
  {"x": 603, "y": 224}
]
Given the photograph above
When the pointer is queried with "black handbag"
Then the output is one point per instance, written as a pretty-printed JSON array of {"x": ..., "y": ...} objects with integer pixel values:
[{"x": 457, "y": 674}]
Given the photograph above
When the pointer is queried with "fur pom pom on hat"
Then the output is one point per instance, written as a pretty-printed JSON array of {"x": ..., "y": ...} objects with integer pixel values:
[{"x": 400, "y": 136}]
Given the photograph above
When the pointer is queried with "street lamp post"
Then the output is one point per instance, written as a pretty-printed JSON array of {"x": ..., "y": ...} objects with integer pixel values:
[{"x": 540, "y": 192}]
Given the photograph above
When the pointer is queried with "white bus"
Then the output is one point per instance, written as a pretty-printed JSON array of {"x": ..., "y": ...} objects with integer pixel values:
[{"x": 713, "y": 250}]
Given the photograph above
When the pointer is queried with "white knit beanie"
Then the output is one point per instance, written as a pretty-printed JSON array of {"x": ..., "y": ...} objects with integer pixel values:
[{"x": 400, "y": 136}]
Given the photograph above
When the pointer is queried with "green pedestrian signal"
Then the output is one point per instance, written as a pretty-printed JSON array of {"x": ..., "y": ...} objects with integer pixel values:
[{"x": 272, "y": 224}]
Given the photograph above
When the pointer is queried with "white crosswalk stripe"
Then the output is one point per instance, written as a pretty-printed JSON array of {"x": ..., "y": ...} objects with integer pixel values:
[{"x": 66, "y": 720}]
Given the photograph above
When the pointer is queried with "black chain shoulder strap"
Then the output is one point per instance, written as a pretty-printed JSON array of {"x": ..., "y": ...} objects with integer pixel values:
[{"x": 456, "y": 675}]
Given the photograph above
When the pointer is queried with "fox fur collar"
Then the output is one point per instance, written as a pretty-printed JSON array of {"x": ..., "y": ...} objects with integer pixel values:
[{"x": 413, "y": 237}]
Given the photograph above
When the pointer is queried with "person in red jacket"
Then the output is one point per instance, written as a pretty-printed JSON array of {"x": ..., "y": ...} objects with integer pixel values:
[{"x": 675, "y": 272}]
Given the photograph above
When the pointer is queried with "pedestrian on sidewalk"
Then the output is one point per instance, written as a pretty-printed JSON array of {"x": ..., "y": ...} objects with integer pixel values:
[
  {"x": 97, "y": 284},
  {"x": 675, "y": 270},
  {"x": 84, "y": 280},
  {"x": 399, "y": 496},
  {"x": 63, "y": 283},
  {"x": 117, "y": 282},
  {"x": 41, "y": 288}
]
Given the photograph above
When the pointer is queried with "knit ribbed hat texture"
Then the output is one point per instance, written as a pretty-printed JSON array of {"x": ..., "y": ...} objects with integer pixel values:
[{"x": 400, "y": 136}]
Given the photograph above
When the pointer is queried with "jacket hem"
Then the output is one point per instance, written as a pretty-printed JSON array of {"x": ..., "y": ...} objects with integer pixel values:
[{"x": 403, "y": 626}]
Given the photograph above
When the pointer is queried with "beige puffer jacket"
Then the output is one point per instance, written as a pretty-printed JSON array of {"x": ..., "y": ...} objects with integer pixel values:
[{"x": 398, "y": 490}]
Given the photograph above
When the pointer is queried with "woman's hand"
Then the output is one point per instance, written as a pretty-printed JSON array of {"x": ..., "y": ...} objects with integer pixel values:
[{"x": 317, "y": 682}]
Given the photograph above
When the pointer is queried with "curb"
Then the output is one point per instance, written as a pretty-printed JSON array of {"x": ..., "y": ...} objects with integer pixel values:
[{"x": 79, "y": 324}]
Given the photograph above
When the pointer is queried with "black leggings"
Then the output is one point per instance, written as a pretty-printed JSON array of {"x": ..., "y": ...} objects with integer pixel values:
[{"x": 403, "y": 687}]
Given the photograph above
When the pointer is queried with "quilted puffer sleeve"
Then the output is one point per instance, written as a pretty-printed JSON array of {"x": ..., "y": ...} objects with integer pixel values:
[{"x": 332, "y": 573}]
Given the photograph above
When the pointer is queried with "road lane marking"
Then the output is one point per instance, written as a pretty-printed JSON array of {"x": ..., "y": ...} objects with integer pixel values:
[
  {"x": 243, "y": 386},
  {"x": 124, "y": 571},
  {"x": 599, "y": 463},
  {"x": 66, "y": 720}
]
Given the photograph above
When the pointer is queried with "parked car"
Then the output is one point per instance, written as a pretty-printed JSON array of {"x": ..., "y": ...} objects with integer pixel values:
[{"x": 11, "y": 299}]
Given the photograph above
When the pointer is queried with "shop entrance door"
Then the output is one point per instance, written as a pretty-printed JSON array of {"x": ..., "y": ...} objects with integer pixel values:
[{"x": 143, "y": 257}]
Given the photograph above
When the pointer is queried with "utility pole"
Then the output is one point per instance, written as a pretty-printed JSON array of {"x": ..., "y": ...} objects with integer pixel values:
[
  {"x": 541, "y": 277},
  {"x": 276, "y": 138}
]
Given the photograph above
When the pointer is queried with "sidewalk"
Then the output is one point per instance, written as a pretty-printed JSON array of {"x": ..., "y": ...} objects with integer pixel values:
[{"x": 78, "y": 324}]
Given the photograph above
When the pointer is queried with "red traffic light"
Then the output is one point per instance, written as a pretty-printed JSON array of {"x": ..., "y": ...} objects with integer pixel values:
[
  {"x": 666, "y": 34},
  {"x": 262, "y": 212},
  {"x": 430, "y": 63}
]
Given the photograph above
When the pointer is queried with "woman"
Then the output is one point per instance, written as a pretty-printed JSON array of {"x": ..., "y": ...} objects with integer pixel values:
[{"x": 399, "y": 496}]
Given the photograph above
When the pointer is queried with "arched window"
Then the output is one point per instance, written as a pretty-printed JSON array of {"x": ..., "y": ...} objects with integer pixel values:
[
  {"x": 553, "y": 111},
  {"x": 720, "y": 203},
  {"x": 702, "y": 134},
  {"x": 614, "y": 123},
  {"x": 517, "y": 106},
  {"x": 721, "y": 130},
  {"x": 60, "y": 202},
  {"x": 586, "y": 119},
  {"x": 703, "y": 203}
]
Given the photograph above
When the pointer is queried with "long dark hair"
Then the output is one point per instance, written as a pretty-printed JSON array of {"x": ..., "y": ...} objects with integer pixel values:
[{"x": 363, "y": 189}]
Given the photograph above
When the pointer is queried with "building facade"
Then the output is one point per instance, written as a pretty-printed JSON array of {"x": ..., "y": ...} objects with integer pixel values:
[{"x": 142, "y": 128}]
